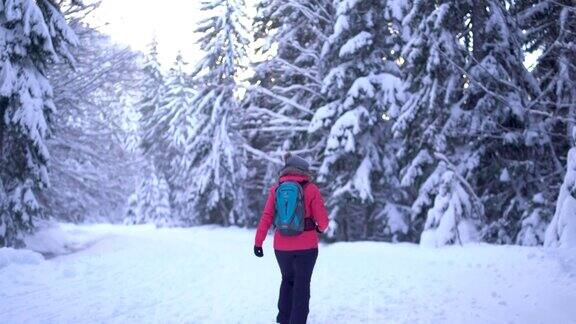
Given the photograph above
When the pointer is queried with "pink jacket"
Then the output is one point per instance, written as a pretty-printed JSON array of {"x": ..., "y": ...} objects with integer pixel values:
[{"x": 315, "y": 208}]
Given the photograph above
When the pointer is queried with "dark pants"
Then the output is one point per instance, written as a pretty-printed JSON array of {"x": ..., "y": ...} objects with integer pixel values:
[{"x": 296, "y": 268}]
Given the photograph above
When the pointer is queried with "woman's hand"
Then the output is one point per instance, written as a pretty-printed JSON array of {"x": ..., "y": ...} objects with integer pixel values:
[{"x": 258, "y": 251}]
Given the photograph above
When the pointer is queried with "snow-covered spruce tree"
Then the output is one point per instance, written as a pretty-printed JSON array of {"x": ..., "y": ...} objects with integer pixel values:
[
  {"x": 285, "y": 87},
  {"x": 34, "y": 33},
  {"x": 171, "y": 129},
  {"x": 151, "y": 205},
  {"x": 131, "y": 216},
  {"x": 94, "y": 171},
  {"x": 151, "y": 87},
  {"x": 360, "y": 85},
  {"x": 550, "y": 28},
  {"x": 162, "y": 208},
  {"x": 213, "y": 152},
  {"x": 534, "y": 222},
  {"x": 452, "y": 218},
  {"x": 499, "y": 126},
  {"x": 428, "y": 127},
  {"x": 562, "y": 230}
]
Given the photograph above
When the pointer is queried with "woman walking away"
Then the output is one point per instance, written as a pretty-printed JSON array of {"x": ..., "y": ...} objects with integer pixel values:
[{"x": 296, "y": 208}]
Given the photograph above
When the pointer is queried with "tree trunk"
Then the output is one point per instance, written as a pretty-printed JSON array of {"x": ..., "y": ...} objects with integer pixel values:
[
  {"x": 225, "y": 212},
  {"x": 479, "y": 14},
  {"x": 3, "y": 108}
]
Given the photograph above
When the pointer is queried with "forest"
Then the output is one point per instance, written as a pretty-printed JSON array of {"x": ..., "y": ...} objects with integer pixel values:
[{"x": 434, "y": 122}]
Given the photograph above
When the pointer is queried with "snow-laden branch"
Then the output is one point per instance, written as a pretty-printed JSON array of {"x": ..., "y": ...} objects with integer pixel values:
[
  {"x": 281, "y": 98},
  {"x": 261, "y": 154},
  {"x": 280, "y": 117},
  {"x": 296, "y": 87},
  {"x": 499, "y": 80},
  {"x": 281, "y": 129},
  {"x": 306, "y": 51},
  {"x": 299, "y": 70},
  {"x": 311, "y": 15},
  {"x": 477, "y": 205},
  {"x": 499, "y": 97}
]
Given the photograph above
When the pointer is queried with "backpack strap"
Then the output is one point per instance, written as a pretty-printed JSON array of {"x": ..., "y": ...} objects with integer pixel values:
[
  {"x": 309, "y": 223},
  {"x": 302, "y": 184}
]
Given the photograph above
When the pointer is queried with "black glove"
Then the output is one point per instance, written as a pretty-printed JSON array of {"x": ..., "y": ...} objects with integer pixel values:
[
  {"x": 258, "y": 251},
  {"x": 318, "y": 229}
]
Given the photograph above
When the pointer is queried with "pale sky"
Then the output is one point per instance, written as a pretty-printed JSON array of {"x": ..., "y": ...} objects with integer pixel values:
[{"x": 136, "y": 22}]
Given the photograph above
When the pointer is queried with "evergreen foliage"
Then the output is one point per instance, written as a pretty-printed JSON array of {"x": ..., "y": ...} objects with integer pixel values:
[
  {"x": 438, "y": 122},
  {"x": 33, "y": 34},
  {"x": 214, "y": 187},
  {"x": 360, "y": 85}
]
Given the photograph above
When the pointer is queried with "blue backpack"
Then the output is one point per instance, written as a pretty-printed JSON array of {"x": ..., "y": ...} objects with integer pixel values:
[{"x": 289, "y": 217}]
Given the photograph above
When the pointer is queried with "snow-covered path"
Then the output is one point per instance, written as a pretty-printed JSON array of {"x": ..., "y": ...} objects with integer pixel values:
[{"x": 209, "y": 275}]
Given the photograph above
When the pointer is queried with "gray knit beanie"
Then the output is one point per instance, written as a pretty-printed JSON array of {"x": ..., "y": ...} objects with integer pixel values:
[{"x": 296, "y": 162}]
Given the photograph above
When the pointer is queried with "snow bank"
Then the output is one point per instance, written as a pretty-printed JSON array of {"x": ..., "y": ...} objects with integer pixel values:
[
  {"x": 54, "y": 239},
  {"x": 566, "y": 257},
  {"x": 12, "y": 256}
]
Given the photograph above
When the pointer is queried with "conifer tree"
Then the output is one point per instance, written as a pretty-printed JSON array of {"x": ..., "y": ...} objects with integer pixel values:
[
  {"x": 549, "y": 27},
  {"x": 360, "y": 84},
  {"x": 173, "y": 128},
  {"x": 452, "y": 219},
  {"x": 214, "y": 187},
  {"x": 150, "y": 203},
  {"x": 499, "y": 125},
  {"x": 534, "y": 222},
  {"x": 426, "y": 123},
  {"x": 151, "y": 87},
  {"x": 34, "y": 33}
]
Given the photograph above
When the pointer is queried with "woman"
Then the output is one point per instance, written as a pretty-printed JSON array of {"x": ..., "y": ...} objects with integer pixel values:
[{"x": 296, "y": 255}]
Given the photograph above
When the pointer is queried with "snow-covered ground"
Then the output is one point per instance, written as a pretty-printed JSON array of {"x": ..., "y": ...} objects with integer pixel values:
[{"x": 208, "y": 275}]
